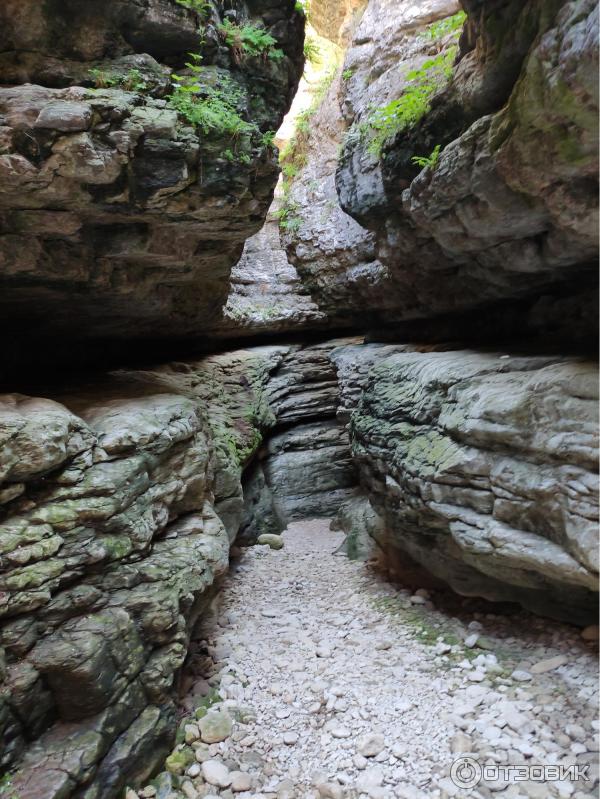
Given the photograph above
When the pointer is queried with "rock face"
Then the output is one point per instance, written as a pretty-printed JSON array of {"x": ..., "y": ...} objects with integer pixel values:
[
  {"x": 333, "y": 254},
  {"x": 121, "y": 492},
  {"x": 119, "y": 217},
  {"x": 307, "y": 462},
  {"x": 483, "y": 469},
  {"x": 120, "y": 500},
  {"x": 266, "y": 294},
  {"x": 508, "y": 211},
  {"x": 336, "y": 20},
  {"x": 110, "y": 544}
]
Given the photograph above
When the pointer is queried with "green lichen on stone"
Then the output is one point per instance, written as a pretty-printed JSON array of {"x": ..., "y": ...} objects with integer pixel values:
[
  {"x": 33, "y": 576},
  {"x": 116, "y": 547},
  {"x": 178, "y": 761}
]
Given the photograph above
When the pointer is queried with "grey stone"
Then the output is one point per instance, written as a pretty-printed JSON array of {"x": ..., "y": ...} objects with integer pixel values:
[
  {"x": 272, "y": 541},
  {"x": 65, "y": 116}
]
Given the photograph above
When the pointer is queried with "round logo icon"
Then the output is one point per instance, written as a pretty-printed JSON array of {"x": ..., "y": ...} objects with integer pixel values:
[{"x": 465, "y": 772}]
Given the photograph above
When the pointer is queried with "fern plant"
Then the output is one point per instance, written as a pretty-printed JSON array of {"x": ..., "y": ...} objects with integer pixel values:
[
  {"x": 428, "y": 160},
  {"x": 132, "y": 81},
  {"x": 201, "y": 7},
  {"x": 212, "y": 108},
  {"x": 249, "y": 41},
  {"x": 386, "y": 122}
]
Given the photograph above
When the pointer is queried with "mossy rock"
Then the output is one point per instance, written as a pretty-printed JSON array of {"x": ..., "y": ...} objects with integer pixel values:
[
  {"x": 178, "y": 761},
  {"x": 271, "y": 540}
]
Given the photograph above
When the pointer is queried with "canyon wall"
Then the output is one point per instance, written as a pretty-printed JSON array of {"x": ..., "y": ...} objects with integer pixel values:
[
  {"x": 111, "y": 543},
  {"x": 506, "y": 215},
  {"x": 121, "y": 216},
  {"x": 433, "y": 202},
  {"x": 121, "y": 221},
  {"x": 120, "y": 500}
]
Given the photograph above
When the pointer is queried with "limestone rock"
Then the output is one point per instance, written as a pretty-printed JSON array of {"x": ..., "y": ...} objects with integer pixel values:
[
  {"x": 498, "y": 218},
  {"x": 216, "y": 773},
  {"x": 464, "y": 446},
  {"x": 106, "y": 570},
  {"x": 215, "y": 726},
  {"x": 371, "y": 745},
  {"x": 272, "y": 541},
  {"x": 112, "y": 205},
  {"x": 489, "y": 212},
  {"x": 266, "y": 294}
]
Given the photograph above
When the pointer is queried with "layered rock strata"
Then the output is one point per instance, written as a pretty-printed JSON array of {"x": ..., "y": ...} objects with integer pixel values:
[
  {"x": 119, "y": 216},
  {"x": 266, "y": 295},
  {"x": 483, "y": 468},
  {"x": 110, "y": 544},
  {"x": 307, "y": 461},
  {"x": 120, "y": 500},
  {"x": 507, "y": 211},
  {"x": 509, "y": 208}
]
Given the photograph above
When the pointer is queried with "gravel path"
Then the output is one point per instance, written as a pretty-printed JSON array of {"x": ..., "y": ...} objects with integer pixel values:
[{"x": 326, "y": 682}]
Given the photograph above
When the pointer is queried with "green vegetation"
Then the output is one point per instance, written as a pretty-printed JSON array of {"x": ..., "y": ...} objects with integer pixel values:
[
  {"x": 347, "y": 74},
  {"x": 201, "y": 7},
  {"x": 212, "y": 698},
  {"x": 268, "y": 138},
  {"x": 131, "y": 81},
  {"x": 386, "y": 122},
  {"x": 288, "y": 216},
  {"x": 312, "y": 51},
  {"x": 431, "y": 160},
  {"x": 236, "y": 158},
  {"x": 444, "y": 27},
  {"x": 249, "y": 41},
  {"x": 6, "y": 787},
  {"x": 294, "y": 155},
  {"x": 214, "y": 107}
]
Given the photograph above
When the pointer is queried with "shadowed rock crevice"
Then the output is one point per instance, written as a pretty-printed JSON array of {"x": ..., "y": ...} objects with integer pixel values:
[{"x": 174, "y": 386}]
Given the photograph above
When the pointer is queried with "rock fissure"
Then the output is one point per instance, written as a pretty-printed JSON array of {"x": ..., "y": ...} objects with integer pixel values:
[{"x": 305, "y": 503}]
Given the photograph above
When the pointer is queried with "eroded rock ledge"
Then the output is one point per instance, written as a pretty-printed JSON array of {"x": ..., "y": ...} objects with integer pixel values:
[
  {"x": 482, "y": 467},
  {"x": 119, "y": 218}
]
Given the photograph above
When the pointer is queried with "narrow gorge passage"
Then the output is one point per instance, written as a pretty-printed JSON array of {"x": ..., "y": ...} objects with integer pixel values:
[
  {"x": 326, "y": 681},
  {"x": 299, "y": 431}
]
